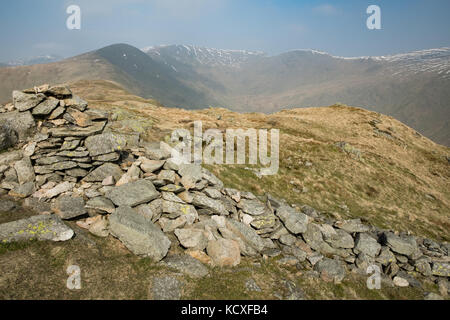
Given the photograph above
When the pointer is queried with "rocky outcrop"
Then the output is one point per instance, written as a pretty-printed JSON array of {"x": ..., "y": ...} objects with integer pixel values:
[{"x": 74, "y": 167}]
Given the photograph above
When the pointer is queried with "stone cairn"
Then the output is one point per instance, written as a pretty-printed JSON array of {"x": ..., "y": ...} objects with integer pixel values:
[{"x": 67, "y": 167}]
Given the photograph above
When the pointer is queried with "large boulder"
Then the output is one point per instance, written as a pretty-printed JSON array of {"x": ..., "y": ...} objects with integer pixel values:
[
  {"x": 24, "y": 170},
  {"x": 104, "y": 171},
  {"x": 224, "y": 252},
  {"x": 22, "y": 123},
  {"x": 249, "y": 241},
  {"x": 41, "y": 227},
  {"x": 295, "y": 221},
  {"x": 23, "y": 101},
  {"x": 139, "y": 234},
  {"x": 133, "y": 193},
  {"x": 402, "y": 245},
  {"x": 213, "y": 205},
  {"x": 367, "y": 245}
]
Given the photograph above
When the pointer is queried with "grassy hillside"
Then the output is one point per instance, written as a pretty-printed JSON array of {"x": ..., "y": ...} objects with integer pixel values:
[{"x": 387, "y": 174}]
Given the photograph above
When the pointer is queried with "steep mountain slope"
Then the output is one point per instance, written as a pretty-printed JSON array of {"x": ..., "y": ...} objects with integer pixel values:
[
  {"x": 412, "y": 87},
  {"x": 122, "y": 63}
]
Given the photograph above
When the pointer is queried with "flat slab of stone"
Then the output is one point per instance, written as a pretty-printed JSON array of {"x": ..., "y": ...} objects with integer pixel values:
[
  {"x": 23, "y": 101},
  {"x": 139, "y": 234},
  {"x": 74, "y": 131},
  {"x": 133, "y": 193},
  {"x": 68, "y": 207},
  {"x": 41, "y": 227},
  {"x": 104, "y": 143}
]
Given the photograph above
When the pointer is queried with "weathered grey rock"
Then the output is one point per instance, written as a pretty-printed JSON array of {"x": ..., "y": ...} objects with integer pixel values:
[
  {"x": 173, "y": 210},
  {"x": 191, "y": 171},
  {"x": 22, "y": 123},
  {"x": 58, "y": 189},
  {"x": 100, "y": 228},
  {"x": 57, "y": 166},
  {"x": 77, "y": 172},
  {"x": 330, "y": 269},
  {"x": 74, "y": 131},
  {"x": 73, "y": 154},
  {"x": 69, "y": 207},
  {"x": 441, "y": 269},
  {"x": 351, "y": 226},
  {"x": 104, "y": 171},
  {"x": 45, "y": 107},
  {"x": 23, "y": 190},
  {"x": 224, "y": 252},
  {"x": 310, "y": 211},
  {"x": 166, "y": 288},
  {"x": 100, "y": 205},
  {"x": 252, "y": 207},
  {"x": 314, "y": 238},
  {"x": 186, "y": 264},
  {"x": 213, "y": 193},
  {"x": 405, "y": 246},
  {"x": 104, "y": 143},
  {"x": 139, "y": 234},
  {"x": 212, "y": 179},
  {"x": 386, "y": 256},
  {"x": 214, "y": 206},
  {"x": 23, "y": 101},
  {"x": 59, "y": 92},
  {"x": 109, "y": 157},
  {"x": 340, "y": 239},
  {"x": 70, "y": 145},
  {"x": 296, "y": 222},
  {"x": 265, "y": 221},
  {"x": 57, "y": 113},
  {"x": 7, "y": 205},
  {"x": 150, "y": 166},
  {"x": 422, "y": 266},
  {"x": 133, "y": 194},
  {"x": 76, "y": 102},
  {"x": 24, "y": 170},
  {"x": 168, "y": 176},
  {"x": 192, "y": 238},
  {"x": 170, "y": 225},
  {"x": 366, "y": 244},
  {"x": 8, "y": 137},
  {"x": 250, "y": 241},
  {"x": 287, "y": 239},
  {"x": 41, "y": 227}
]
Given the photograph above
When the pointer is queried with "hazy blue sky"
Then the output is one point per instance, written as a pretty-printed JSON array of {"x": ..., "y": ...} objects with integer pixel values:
[{"x": 36, "y": 27}]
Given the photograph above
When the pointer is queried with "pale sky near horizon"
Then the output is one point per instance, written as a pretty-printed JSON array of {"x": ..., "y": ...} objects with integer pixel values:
[{"x": 31, "y": 28}]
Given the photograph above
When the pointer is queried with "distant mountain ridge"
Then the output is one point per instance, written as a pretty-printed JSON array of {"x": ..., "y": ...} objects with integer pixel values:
[{"x": 412, "y": 87}]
